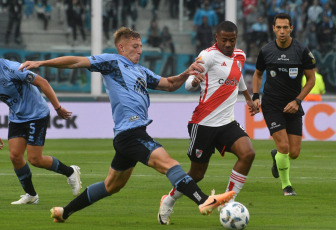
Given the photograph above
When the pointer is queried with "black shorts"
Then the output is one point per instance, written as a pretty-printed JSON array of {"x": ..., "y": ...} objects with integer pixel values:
[
  {"x": 277, "y": 120},
  {"x": 132, "y": 146},
  {"x": 204, "y": 140},
  {"x": 33, "y": 131}
]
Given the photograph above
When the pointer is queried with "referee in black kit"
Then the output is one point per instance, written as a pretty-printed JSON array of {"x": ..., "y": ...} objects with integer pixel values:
[{"x": 285, "y": 61}]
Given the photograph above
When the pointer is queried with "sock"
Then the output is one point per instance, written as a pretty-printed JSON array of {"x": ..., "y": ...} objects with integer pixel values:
[
  {"x": 25, "y": 177},
  {"x": 236, "y": 183},
  {"x": 282, "y": 161},
  {"x": 91, "y": 194},
  {"x": 185, "y": 184},
  {"x": 172, "y": 197},
  {"x": 174, "y": 194},
  {"x": 61, "y": 168}
]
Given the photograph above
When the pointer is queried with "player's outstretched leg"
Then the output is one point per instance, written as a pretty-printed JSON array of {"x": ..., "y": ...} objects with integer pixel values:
[
  {"x": 275, "y": 172},
  {"x": 74, "y": 180},
  {"x": 57, "y": 214},
  {"x": 214, "y": 201}
]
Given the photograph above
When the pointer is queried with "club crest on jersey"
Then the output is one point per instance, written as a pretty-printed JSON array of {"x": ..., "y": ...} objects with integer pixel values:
[
  {"x": 283, "y": 58},
  {"x": 199, "y": 153},
  {"x": 293, "y": 72},
  {"x": 272, "y": 73}
]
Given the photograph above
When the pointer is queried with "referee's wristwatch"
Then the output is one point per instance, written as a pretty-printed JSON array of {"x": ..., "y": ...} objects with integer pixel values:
[{"x": 298, "y": 101}]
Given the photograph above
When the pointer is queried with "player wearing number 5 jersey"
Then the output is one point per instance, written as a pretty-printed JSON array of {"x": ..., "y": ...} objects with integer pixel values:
[
  {"x": 29, "y": 119},
  {"x": 212, "y": 125}
]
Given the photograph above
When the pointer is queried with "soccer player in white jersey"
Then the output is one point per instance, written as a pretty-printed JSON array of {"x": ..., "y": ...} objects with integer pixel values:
[
  {"x": 212, "y": 125},
  {"x": 28, "y": 123},
  {"x": 126, "y": 82}
]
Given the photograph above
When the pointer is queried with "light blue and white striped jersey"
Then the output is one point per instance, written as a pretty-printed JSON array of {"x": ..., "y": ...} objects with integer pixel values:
[
  {"x": 126, "y": 85},
  {"x": 24, "y": 100}
]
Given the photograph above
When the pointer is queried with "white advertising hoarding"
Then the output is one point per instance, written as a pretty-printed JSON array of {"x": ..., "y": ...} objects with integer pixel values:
[{"x": 94, "y": 120}]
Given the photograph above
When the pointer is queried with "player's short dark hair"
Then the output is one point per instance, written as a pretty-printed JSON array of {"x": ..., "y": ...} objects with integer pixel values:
[
  {"x": 227, "y": 26},
  {"x": 124, "y": 32},
  {"x": 282, "y": 16}
]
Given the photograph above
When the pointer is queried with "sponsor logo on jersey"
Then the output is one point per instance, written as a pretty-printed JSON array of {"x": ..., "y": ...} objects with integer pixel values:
[
  {"x": 134, "y": 118},
  {"x": 293, "y": 72},
  {"x": 223, "y": 64},
  {"x": 272, "y": 73},
  {"x": 232, "y": 82},
  {"x": 199, "y": 153},
  {"x": 283, "y": 57}
]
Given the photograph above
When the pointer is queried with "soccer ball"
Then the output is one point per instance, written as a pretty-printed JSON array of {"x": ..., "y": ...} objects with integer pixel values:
[{"x": 234, "y": 215}]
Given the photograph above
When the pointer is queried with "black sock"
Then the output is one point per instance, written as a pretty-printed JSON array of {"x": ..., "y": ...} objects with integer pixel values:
[
  {"x": 28, "y": 185},
  {"x": 80, "y": 202},
  {"x": 65, "y": 170},
  {"x": 25, "y": 177},
  {"x": 191, "y": 190}
]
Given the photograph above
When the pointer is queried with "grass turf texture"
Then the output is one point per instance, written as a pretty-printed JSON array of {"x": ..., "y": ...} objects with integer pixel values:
[{"x": 136, "y": 206}]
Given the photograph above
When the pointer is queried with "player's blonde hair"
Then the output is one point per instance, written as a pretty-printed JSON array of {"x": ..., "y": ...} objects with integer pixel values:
[{"x": 124, "y": 33}]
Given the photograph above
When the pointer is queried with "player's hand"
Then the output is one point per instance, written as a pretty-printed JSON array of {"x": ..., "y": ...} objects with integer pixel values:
[
  {"x": 63, "y": 113},
  {"x": 1, "y": 144},
  {"x": 196, "y": 67},
  {"x": 198, "y": 79},
  {"x": 30, "y": 65},
  {"x": 291, "y": 107},
  {"x": 253, "y": 108}
]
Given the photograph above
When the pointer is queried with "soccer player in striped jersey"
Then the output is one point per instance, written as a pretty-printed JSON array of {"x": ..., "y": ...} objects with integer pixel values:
[{"x": 212, "y": 125}]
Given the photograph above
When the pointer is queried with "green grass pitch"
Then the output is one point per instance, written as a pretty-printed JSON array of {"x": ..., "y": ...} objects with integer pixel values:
[{"x": 313, "y": 176}]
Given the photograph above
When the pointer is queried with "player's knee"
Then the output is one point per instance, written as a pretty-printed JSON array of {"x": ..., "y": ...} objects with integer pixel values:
[
  {"x": 248, "y": 156},
  {"x": 35, "y": 161},
  {"x": 15, "y": 158},
  {"x": 197, "y": 176}
]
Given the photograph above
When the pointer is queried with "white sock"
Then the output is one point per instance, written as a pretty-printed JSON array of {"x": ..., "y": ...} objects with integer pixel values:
[
  {"x": 173, "y": 195},
  {"x": 236, "y": 183}
]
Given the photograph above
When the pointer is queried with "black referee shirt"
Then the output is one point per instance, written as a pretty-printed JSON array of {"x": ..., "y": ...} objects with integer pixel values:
[{"x": 284, "y": 69}]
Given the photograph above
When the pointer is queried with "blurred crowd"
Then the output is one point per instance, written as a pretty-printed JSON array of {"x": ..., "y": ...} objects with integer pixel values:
[{"x": 314, "y": 20}]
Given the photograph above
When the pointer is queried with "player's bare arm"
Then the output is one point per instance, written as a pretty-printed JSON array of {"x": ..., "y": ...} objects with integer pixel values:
[
  {"x": 1, "y": 144},
  {"x": 173, "y": 83},
  {"x": 69, "y": 62},
  {"x": 51, "y": 95},
  {"x": 256, "y": 84}
]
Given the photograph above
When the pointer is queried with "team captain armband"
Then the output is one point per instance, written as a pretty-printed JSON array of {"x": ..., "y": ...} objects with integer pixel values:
[{"x": 255, "y": 96}]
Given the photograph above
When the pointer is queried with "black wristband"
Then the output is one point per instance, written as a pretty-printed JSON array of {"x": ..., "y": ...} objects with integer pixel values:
[
  {"x": 298, "y": 101},
  {"x": 58, "y": 109},
  {"x": 255, "y": 96}
]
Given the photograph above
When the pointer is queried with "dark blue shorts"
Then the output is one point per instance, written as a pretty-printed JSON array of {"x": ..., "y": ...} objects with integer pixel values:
[
  {"x": 132, "y": 146},
  {"x": 33, "y": 131},
  {"x": 204, "y": 140}
]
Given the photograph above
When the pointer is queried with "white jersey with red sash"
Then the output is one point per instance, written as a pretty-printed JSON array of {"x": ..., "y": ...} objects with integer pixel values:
[{"x": 220, "y": 89}]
